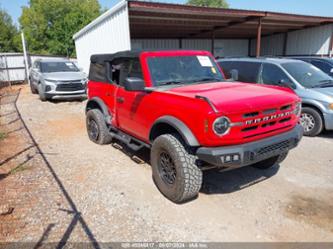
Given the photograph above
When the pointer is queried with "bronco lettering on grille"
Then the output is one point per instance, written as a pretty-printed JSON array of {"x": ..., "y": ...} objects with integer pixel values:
[{"x": 267, "y": 118}]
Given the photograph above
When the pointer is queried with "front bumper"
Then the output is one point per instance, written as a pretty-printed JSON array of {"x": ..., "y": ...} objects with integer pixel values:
[
  {"x": 67, "y": 96},
  {"x": 250, "y": 153}
]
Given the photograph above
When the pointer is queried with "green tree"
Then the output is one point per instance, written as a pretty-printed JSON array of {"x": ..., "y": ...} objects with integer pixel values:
[
  {"x": 9, "y": 35},
  {"x": 49, "y": 25},
  {"x": 209, "y": 3}
]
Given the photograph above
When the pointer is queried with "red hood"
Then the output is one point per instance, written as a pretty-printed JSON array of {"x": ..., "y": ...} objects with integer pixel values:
[{"x": 232, "y": 97}]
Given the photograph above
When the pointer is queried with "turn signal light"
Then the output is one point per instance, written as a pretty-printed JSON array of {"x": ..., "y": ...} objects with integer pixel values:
[{"x": 331, "y": 106}]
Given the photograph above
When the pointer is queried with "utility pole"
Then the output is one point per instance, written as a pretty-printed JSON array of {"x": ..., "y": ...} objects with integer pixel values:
[{"x": 25, "y": 58}]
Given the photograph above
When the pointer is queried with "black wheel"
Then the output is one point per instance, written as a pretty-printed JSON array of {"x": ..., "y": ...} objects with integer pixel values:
[
  {"x": 97, "y": 129},
  {"x": 174, "y": 169},
  {"x": 41, "y": 93},
  {"x": 33, "y": 89},
  {"x": 311, "y": 121},
  {"x": 270, "y": 162}
]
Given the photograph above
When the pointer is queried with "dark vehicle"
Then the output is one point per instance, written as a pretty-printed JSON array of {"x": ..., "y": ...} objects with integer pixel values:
[
  {"x": 324, "y": 64},
  {"x": 310, "y": 83},
  {"x": 179, "y": 105}
]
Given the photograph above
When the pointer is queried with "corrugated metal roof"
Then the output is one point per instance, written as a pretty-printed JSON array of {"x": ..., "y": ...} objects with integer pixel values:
[{"x": 146, "y": 16}]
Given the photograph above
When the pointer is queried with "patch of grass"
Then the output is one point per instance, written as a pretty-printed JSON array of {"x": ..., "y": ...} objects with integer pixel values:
[{"x": 2, "y": 135}]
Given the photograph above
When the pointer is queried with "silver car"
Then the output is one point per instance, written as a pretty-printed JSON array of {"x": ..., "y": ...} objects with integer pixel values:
[
  {"x": 307, "y": 81},
  {"x": 57, "y": 79}
]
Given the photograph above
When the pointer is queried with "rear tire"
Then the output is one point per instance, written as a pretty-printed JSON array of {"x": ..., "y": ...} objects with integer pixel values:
[
  {"x": 175, "y": 172},
  {"x": 311, "y": 121},
  {"x": 270, "y": 162},
  {"x": 97, "y": 129}
]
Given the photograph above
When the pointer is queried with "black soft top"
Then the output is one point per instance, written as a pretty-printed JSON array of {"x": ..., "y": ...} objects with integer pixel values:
[{"x": 101, "y": 58}]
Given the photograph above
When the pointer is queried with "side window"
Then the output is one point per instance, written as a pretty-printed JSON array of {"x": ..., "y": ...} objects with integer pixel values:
[
  {"x": 130, "y": 68},
  {"x": 248, "y": 71},
  {"x": 323, "y": 66},
  {"x": 273, "y": 75},
  {"x": 226, "y": 67},
  {"x": 97, "y": 72}
]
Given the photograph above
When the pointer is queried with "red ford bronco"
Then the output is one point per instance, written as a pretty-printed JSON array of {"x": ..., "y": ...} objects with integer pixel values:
[{"x": 179, "y": 105}]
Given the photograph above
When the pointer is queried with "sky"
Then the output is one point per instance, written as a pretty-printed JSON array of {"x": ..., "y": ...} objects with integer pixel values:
[{"x": 307, "y": 7}]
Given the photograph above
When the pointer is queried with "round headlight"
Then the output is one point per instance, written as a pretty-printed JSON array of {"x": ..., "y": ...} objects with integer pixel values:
[{"x": 221, "y": 126}]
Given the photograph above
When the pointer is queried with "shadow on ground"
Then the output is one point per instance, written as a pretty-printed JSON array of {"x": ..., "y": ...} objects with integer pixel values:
[
  {"x": 77, "y": 218},
  {"x": 214, "y": 181},
  {"x": 326, "y": 134}
]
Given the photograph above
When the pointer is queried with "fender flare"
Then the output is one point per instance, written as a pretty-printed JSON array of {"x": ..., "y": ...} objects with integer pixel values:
[
  {"x": 178, "y": 125},
  {"x": 95, "y": 101}
]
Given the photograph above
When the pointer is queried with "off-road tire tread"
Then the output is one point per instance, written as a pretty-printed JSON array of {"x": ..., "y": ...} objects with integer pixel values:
[
  {"x": 192, "y": 180},
  {"x": 104, "y": 135}
]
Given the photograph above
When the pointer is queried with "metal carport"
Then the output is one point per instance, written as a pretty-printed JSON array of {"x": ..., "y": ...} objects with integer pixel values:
[{"x": 152, "y": 25}]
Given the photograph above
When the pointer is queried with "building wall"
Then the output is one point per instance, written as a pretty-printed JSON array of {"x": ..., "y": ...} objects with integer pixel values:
[
  {"x": 108, "y": 33},
  {"x": 311, "y": 41},
  {"x": 270, "y": 45},
  {"x": 222, "y": 48}
]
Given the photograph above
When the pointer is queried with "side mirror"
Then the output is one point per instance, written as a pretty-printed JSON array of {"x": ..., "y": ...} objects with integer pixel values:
[
  {"x": 234, "y": 74},
  {"x": 134, "y": 84}
]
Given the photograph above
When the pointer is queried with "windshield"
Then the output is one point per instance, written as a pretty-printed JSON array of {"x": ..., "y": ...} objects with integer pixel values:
[
  {"x": 307, "y": 75},
  {"x": 172, "y": 70},
  {"x": 58, "y": 66}
]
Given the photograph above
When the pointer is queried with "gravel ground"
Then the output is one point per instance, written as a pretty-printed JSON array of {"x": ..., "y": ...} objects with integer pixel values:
[{"x": 117, "y": 198}]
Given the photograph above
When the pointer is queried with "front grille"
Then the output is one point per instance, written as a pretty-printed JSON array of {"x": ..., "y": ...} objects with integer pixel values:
[
  {"x": 267, "y": 151},
  {"x": 68, "y": 87},
  {"x": 266, "y": 119},
  {"x": 274, "y": 147}
]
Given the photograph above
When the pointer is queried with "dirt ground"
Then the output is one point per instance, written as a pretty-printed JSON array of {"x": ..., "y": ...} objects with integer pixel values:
[{"x": 72, "y": 190}]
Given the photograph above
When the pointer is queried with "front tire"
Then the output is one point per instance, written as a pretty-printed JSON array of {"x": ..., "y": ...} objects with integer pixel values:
[
  {"x": 41, "y": 93},
  {"x": 175, "y": 172},
  {"x": 311, "y": 121},
  {"x": 97, "y": 129},
  {"x": 270, "y": 162},
  {"x": 32, "y": 88}
]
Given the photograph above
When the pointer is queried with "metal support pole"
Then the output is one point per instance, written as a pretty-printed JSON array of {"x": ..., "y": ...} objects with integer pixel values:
[
  {"x": 285, "y": 44},
  {"x": 258, "y": 38},
  {"x": 213, "y": 42},
  {"x": 26, "y": 63},
  {"x": 330, "y": 49}
]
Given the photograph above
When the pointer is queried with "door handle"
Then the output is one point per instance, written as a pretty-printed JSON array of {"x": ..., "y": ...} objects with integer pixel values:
[{"x": 120, "y": 99}]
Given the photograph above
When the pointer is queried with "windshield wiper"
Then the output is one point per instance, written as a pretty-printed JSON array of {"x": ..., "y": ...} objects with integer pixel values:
[
  {"x": 325, "y": 83},
  {"x": 205, "y": 80},
  {"x": 172, "y": 82}
]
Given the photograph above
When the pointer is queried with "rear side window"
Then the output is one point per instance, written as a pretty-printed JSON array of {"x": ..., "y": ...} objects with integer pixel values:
[
  {"x": 125, "y": 69},
  {"x": 97, "y": 72},
  {"x": 247, "y": 71}
]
